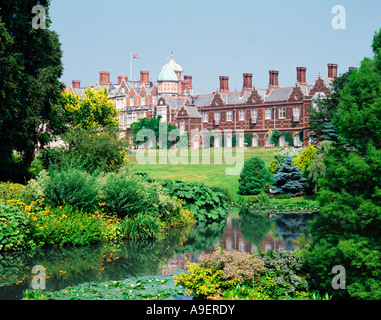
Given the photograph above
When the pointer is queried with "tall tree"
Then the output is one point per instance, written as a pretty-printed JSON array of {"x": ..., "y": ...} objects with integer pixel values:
[
  {"x": 321, "y": 124},
  {"x": 30, "y": 66},
  {"x": 348, "y": 231},
  {"x": 94, "y": 108}
]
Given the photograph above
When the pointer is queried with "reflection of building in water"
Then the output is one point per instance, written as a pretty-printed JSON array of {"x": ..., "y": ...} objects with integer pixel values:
[{"x": 232, "y": 239}]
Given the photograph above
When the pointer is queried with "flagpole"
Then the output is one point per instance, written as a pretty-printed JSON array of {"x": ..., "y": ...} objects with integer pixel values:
[{"x": 131, "y": 66}]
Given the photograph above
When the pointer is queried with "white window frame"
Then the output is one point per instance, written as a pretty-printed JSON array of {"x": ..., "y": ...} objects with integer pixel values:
[
  {"x": 241, "y": 115},
  {"x": 217, "y": 117},
  {"x": 297, "y": 113},
  {"x": 229, "y": 116},
  {"x": 268, "y": 114},
  {"x": 143, "y": 100},
  {"x": 131, "y": 101},
  {"x": 254, "y": 115},
  {"x": 282, "y": 112},
  {"x": 205, "y": 116}
]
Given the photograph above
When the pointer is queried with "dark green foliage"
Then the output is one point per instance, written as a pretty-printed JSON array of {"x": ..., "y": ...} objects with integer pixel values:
[
  {"x": 13, "y": 227},
  {"x": 254, "y": 177},
  {"x": 158, "y": 127},
  {"x": 207, "y": 204},
  {"x": 288, "y": 138},
  {"x": 289, "y": 179},
  {"x": 92, "y": 149},
  {"x": 71, "y": 186},
  {"x": 275, "y": 137},
  {"x": 249, "y": 139},
  {"x": 321, "y": 117},
  {"x": 348, "y": 230},
  {"x": 30, "y": 68},
  {"x": 127, "y": 195}
]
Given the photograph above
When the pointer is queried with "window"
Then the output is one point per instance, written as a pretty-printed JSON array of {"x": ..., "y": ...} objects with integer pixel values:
[
  {"x": 182, "y": 127},
  {"x": 282, "y": 112},
  {"x": 133, "y": 117},
  {"x": 131, "y": 101},
  {"x": 143, "y": 100},
  {"x": 241, "y": 115},
  {"x": 255, "y": 141},
  {"x": 229, "y": 116},
  {"x": 217, "y": 117},
  {"x": 268, "y": 114},
  {"x": 254, "y": 115},
  {"x": 267, "y": 140},
  {"x": 205, "y": 116},
  {"x": 282, "y": 140},
  {"x": 296, "y": 113}
]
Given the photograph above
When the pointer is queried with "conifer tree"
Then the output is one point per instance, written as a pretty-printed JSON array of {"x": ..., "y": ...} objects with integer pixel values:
[{"x": 289, "y": 179}]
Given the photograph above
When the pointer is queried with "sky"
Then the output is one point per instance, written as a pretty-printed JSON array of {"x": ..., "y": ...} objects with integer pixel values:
[{"x": 212, "y": 38}]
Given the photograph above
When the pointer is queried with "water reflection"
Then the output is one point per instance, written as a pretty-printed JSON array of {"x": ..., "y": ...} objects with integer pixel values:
[{"x": 242, "y": 230}]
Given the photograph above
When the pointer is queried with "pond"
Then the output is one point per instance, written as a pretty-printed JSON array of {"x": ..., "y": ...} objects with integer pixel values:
[{"x": 241, "y": 230}]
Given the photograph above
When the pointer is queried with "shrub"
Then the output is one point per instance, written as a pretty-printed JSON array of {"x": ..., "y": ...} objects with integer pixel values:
[
  {"x": 254, "y": 177},
  {"x": 289, "y": 179},
  {"x": 283, "y": 196},
  {"x": 260, "y": 198},
  {"x": 127, "y": 195},
  {"x": 306, "y": 157},
  {"x": 65, "y": 226},
  {"x": 13, "y": 228},
  {"x": 206, "y": 203},
  {"x": 236, "y": 266},
  {"x": 71, "y": 186},
  {"x": 277, "y": 161},
  {"x": 142, "y": 226}
]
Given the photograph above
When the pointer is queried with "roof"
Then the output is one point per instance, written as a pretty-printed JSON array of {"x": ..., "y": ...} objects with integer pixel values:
[
  {"x": 193, "y": 112},
  {"x": 167, "y": 74}
]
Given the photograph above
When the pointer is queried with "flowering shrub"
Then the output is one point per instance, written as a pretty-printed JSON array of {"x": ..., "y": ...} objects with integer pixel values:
[{"x": 235, "y": 265}]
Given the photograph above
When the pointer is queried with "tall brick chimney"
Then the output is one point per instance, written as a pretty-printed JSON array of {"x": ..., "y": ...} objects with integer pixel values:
[
  {"x": 189, "y": 79},
  {"x": 224, "y": 83},
  {"x": 301, "y": 75},
  {"x": 332, "y": 70},
  {"x": 104, "y": 77},
  {"x": 144, "y": 76},
  {"x": 121, "y": 78},
  {"x": 273, "y": 83},
  {"x": 76, "y": 84},
  {"x": 247, "y": 82}
]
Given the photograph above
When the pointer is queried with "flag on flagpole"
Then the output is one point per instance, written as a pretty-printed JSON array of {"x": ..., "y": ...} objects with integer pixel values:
[{"x": 134, "y": 56}]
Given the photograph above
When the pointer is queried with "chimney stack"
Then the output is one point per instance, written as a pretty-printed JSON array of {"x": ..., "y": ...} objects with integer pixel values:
[
  {"x": 189, "y": 79},
  {"x": 224, "y": 84},
  {"x": 273, "y": 83},
  {"x": 144, "y": 76},
  {"x": 76, "y": 84},
  {"x": 301, "y": 75},
  {"x": 121, "y": 78},
  {"x": 247, "y": 82},
  {"x": 332, "y": 70},
  {"x": 104, "y": 77}
]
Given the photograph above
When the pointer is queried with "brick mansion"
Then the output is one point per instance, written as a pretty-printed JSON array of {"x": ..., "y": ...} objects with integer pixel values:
[{"x": 254, "y": 111}]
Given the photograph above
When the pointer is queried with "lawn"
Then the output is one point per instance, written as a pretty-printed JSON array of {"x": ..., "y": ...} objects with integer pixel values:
[{"x": 211, "y": 174}]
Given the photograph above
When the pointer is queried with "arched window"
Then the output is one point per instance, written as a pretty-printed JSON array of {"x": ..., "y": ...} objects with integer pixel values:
[
  {"x": 255, "y": 141},
  {"x": 182, "y": 127},
  {"x": 267, "y": 140},
  {"x": 282, "y": 140}
]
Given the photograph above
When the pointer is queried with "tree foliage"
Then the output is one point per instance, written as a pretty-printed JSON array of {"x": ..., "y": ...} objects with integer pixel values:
[
  {"x": 306, "y": 157},
  {"x": 92, "y": 109},
  {"x": 161, "y": 130},
  {"x": 348, "y": 230},
  {"x": 289, "y": 179},
  {"x": 30, "y": 68},
  {"x": 254, "y": 177}
]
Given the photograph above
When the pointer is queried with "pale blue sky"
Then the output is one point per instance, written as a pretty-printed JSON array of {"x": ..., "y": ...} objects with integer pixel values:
[{"x": 211, "y": 38}]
